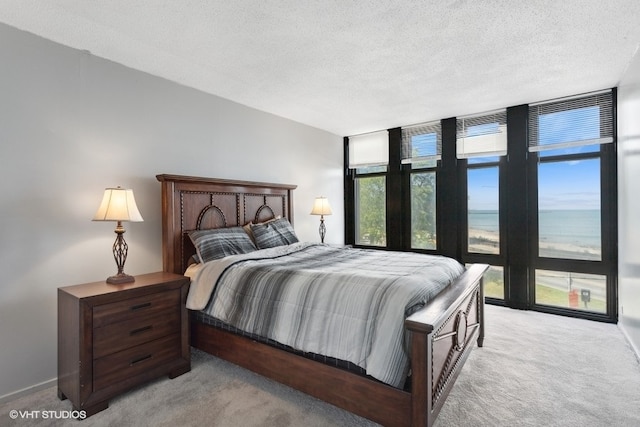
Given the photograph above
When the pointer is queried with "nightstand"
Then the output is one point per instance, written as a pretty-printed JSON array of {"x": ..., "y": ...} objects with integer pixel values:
[{"x": 114, "y": 337}]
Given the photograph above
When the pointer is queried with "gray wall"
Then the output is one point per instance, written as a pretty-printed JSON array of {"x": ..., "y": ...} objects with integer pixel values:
[
  {"x": 629, "y": 202},
  {"x": 72, "y": 124}
]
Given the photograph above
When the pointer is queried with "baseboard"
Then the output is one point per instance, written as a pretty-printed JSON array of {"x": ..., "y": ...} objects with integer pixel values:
[
  {"x": 627, "y": 337},
  {"x": 28, "y": 390}
]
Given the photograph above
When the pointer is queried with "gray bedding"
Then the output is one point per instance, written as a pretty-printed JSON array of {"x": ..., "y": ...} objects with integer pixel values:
[{"x": 345, "y": 303}]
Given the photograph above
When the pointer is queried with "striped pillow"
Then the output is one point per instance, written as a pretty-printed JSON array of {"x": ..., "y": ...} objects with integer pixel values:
[
  {"x": 220, "y": 242},
  {"x": 247, "y": 227},
  {"x": 273, "y": 233}
]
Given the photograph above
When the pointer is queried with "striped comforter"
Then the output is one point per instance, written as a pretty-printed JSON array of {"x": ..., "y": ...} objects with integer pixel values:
[{"x": 345, "y": 303}]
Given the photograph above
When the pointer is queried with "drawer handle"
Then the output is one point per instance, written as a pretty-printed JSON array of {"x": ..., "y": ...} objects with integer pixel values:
[
  {"x": 140, "y": 359},
  {"x": 140, "y": 306},
  {"x": 141, "y": 330}
]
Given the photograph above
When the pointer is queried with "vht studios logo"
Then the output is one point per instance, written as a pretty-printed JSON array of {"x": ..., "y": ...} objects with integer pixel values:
[{"x": 47, "y": 415}]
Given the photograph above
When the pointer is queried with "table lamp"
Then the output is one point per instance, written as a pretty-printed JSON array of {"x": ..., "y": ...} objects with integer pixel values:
[
  {"x": 321, "y": 207},
  {"x": 118, "y": 204}
]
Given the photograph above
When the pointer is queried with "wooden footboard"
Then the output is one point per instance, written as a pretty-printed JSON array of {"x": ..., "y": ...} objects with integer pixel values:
[{"x": 442, "y": 337}]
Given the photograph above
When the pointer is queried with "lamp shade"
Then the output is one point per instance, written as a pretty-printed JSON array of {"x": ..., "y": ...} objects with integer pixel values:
[
  {"x": 321, "y": 206},
  {"x": 118, "y": 204}
]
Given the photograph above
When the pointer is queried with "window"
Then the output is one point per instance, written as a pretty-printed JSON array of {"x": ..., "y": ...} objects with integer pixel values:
[
  {"x": 371, "y": 218},
  {"x": 483, "y": 210},
  {"x": 576, "y": 291},
  {"x": 482, "y": 135},
  {"x": 421, "y": 150},
  {"x": 368, "y": 161},
  {"x": 369, "y": 150},
  {"x": 422, "y": 145},
  {"x": 571, "y": 126},
  {"x": 569, "y": 209},
  {"x": 494, "y": 282},
  {"x": 530, "y": 190},
  {"x": 423, "y": 210},
  {"x": 481, "y": 141},
  {"x": 568, "y": 143}
]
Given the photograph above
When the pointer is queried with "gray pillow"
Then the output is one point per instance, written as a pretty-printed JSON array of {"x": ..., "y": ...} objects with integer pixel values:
[
  {"x": 273, "y": 233},
  {"x": 220, "y": 242}
]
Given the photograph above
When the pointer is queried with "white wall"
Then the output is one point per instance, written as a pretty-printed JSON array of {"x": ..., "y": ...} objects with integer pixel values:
[
  {"x": 629, "y": 202},
  {"x": 72, "y": 124}
]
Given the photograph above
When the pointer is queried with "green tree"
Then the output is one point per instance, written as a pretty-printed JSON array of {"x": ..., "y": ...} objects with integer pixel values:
[
  {"x": 372, "y": 219},
  {"x": 372, "y": 216},
  {"x": 423, "y": 210}
]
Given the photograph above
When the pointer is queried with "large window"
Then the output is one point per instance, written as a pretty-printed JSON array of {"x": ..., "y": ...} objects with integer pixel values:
[
  {"x": 568, "y": 142},
  {"x": 529, "y": 190}
]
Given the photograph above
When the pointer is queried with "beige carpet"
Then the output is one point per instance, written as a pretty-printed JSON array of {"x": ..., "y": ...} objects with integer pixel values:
[{"x": 535, "y": 370}]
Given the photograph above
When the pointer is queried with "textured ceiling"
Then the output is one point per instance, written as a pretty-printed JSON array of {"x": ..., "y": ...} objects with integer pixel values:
[{"x": 351, "y": 67}]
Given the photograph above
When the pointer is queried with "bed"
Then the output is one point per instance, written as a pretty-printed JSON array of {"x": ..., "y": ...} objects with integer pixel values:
[{"x": 442, "y": 333}]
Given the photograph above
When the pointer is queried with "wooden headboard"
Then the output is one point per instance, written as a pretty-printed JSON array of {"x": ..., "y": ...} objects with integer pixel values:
[{"x": 194, "y": 203}]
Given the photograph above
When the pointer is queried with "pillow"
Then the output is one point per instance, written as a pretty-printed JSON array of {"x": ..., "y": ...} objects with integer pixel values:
[
  {"x": 221, "y": 242},
  {"x": 274, "y": 233},
  {"x": 247, "y": 227}
]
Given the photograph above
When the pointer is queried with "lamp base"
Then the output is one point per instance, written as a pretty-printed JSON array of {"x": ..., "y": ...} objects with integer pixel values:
[{"x": 120, "y": 278}]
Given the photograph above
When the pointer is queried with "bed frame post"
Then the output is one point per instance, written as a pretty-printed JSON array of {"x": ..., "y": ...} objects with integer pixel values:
[
  {"x": 421, "y": 377},
  {"x": 169, "y": 231}
]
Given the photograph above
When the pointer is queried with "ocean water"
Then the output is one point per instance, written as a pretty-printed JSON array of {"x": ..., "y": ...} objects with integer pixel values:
[{"x": 576, "y": 227}]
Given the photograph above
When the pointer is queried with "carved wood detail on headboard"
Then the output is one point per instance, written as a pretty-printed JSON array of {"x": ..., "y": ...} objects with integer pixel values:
[
  {"x": 207, "y": 217},
  {"x": 260, "y": 217},
  {"x": 190, "y": 203}
]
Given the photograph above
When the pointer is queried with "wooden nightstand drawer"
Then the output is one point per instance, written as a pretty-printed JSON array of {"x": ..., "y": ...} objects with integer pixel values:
[
  {"x": 130, "y": 333},
  {"x": 158, "y": 302},
  {"x": 128, "y": 363}
]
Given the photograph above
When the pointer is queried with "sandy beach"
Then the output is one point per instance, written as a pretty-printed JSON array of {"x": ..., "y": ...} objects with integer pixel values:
[{"x": 487, "y": 242}]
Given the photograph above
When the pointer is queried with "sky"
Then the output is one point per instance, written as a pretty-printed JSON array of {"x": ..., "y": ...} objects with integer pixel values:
[{"x": 561, "y": 185}]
